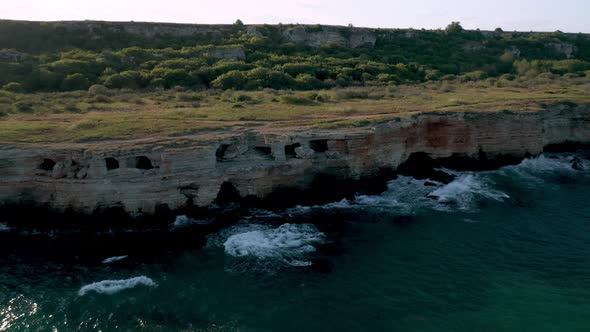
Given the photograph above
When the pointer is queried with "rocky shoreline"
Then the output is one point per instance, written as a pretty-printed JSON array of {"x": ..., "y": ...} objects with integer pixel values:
[{"x": 161, "y": 179}]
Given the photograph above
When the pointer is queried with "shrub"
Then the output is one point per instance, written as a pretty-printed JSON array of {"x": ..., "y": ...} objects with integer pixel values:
[
  {"x": 75, "y": 82},
  {"x": 232, "y": 79},
  {"x": 4, "y": 110},
  {"x": 242, "y": 98},
  {"x": 13, "y": 87},
  {"x": 188, "y": 96},
  {"x": 22, "y": 107},
  {"x": 169, "y": 78},
  {"x": 477, "y": 75},
  {"x": 295, "y": 100},
  {"x": 71, "y": 107},
  {"x": 344, "y": 94},
  {"x": 100, "y": 99},
  {"x": 129, "y": 79},
  {"x": 307, "y": 82},
  {"x": 319, "y": 97},
  {"x": 454, "y": 27},
  {"x": 98, "y": 90}
]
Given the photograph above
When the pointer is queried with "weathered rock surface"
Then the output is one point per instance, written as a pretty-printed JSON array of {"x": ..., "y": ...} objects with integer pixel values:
[{"x": 173, "y": 173}]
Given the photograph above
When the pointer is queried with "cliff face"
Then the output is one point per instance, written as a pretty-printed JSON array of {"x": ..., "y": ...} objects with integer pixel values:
[{"x": 192, "y": 171}]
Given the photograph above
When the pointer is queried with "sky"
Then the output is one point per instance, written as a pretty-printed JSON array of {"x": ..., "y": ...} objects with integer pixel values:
[{"x": 521, "y": 15}]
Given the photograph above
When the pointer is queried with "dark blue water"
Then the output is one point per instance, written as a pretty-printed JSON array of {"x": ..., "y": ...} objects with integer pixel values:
[{"x": 507, "y": 250}]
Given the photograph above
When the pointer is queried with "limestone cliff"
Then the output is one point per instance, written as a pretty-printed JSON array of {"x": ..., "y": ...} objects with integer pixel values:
[{"x": 141, "y": 176}]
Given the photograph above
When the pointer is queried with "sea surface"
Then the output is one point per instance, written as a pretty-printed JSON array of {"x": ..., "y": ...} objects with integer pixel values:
[{"x": 504, "y": 250}]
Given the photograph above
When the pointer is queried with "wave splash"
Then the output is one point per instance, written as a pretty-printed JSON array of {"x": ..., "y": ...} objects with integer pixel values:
[
  {"x": 465, "y": 190},
  {"x": 288, "y": 240},
  {"x": 263, "y": 248},
  {"x": 184, "y": 221},
  {"x": 110, "y": 287},
  {"x": 405, "y": 194}
]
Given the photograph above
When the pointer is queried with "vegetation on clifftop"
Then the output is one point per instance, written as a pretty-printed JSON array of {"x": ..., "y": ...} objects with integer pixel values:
[{"x": 37, "y": 56}]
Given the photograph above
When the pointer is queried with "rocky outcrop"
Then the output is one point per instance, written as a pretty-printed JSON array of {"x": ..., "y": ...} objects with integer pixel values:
[
  {"x": 330, "y": 36},
  {"x": 566, "y": 49},
  {"x": 9, "y": 55},
  {"x": 256, "y": 165},
  {"x": 226, "y": 53}
]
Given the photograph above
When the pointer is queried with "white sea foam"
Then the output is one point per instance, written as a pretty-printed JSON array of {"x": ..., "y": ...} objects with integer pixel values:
[
  {"x": 4, "y": 227},
  {"x": 403, "y": 194},
  {"x": 342, "y": 204},
  {"x": 113, "y": 286},
  {"x": 114, "y": 259},
  {"x": 464, "y": 190},
  {"x": 537, "y": 170},
  {"x": 184, "y": 221},
  {"x": 286, "y": 241},
  {"x": 545, "y": 163}
]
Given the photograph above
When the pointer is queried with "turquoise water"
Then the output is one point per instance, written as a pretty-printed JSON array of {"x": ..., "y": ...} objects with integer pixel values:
[{"x": 507, "y": 250}]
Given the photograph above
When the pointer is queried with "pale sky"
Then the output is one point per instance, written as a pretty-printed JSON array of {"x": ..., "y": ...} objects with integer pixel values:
[{"x": 522, "y": 15}]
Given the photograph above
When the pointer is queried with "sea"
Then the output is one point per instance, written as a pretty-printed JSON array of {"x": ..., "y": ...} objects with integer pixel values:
[{"x": 502, "y": 250}]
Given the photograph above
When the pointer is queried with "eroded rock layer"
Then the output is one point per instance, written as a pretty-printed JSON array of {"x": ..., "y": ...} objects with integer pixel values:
[{"x": 256, "y": 165}]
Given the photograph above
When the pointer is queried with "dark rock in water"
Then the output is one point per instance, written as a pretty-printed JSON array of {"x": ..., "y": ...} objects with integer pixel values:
[
  {"x": 430, "y": 184},
  {"x": 441, "y": 177},
  {"x": 421, "y": 166}
]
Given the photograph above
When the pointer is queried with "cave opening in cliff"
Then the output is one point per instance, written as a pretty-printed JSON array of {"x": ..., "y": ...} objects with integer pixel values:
[
  {"x": 320, "y": 145},
  {"x": 227, "y": 194},
  {"x": 220, "y": 152},
  {"x": 264, "y": 151},
  {"x": 143, "y": 162},
  {"x": 111, "y": 163},
  {"x": 47, "y": 165},
  {"x": 290, "y": 150}
]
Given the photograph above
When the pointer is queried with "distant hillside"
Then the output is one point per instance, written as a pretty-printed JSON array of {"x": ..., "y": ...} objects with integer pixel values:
[{"x": 52, "y": 56}]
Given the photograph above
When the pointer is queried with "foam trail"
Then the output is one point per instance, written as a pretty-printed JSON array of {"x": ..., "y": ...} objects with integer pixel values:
[
  {"x": 114, "y": 259},
  {"x": 113, "y": 286}
]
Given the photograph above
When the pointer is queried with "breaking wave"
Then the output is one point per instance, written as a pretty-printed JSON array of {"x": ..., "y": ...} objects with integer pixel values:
[
  {"x": 184, "y": 221},
  {"x": 286, "y": 241},
  {"x": 406, "y": 195},
  {"x": 111, "y": 260},
  {"x": 4, "y": 227},
  {"x": 261, "y": 247},
  {"x": 114, "y": 286},
  {"x": 465, "y": 190}
]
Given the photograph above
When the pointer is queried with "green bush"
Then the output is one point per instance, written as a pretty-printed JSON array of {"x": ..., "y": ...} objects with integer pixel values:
[
  {"x": 231, "y": 80},
  {"x": 98, "y": 90},
  {"x": 75, "y": 82},
  {"x": 308, "y": 82},
  {"x": 22, "y": 107},
  {"x": 13, "y": 87},
  {"x": 129, "y": 79}
]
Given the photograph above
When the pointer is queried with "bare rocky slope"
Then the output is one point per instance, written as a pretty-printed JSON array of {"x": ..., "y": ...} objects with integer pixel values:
[{"x": 144, "y": 176}]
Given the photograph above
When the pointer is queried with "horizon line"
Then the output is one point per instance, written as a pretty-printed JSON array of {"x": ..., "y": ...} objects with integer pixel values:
[{"x": 281, "y": 23}]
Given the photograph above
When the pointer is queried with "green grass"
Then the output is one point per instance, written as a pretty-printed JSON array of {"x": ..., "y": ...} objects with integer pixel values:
[{"x": 76, "y": 117}]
